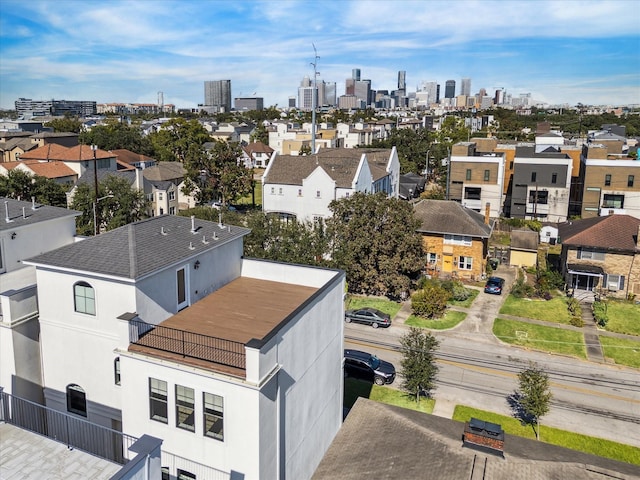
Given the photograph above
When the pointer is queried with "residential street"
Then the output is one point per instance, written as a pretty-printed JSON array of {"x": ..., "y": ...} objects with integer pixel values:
[{"x": 478, "y": 370}]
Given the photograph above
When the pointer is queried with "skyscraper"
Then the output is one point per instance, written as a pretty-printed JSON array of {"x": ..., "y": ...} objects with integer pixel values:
[
  {"x": 217, "y": 93},
  {"x": 450, "y": 89},
  {"x": 402, "y": 80},
  {"x": 355, "y": 74},
  {"x": 465, "y": 87},
  {"x": 305, "y": 94}
]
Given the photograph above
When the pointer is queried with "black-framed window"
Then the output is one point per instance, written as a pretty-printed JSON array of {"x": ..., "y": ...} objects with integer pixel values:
[
  {"x": 610, "y": 200},
  {"x": 116, "y": 371},
  {"x": 554, "y": 178},
  {"x": 76, "y": 400},
  {"x": 534, "y": 175},
  {"x": 487, "y": 175},
  {"x": 539, "y": 196},
  {"x": 84, "y": 298},
  {"x": 165, "y": 473},
  {"x": 630, "y": 180},
  {"x": 468, "y": 175},
  {"x": 184, "y": 475},
  {"x": 158, "y": 409},
  {"x": 185, "y": 408},
  {"x": 607, "y": 180},
  {"x": 213, "y": 409}
]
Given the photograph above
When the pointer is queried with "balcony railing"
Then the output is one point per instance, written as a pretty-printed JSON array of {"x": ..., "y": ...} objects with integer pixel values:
[
  {"x": 62, "y": 427},
  {"x": 188, "y": 344}
]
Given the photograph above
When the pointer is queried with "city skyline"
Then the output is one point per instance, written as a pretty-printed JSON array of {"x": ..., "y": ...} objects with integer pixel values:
[{"x": 560, "y": 52}]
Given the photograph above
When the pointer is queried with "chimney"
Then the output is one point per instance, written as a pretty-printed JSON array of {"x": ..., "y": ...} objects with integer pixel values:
[{"x": 487, "y": 211}]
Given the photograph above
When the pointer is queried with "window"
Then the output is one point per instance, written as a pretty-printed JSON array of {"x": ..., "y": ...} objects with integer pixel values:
[
  {"x": 76, "y": 400},
  {"x": 472, "y": 193},
  {"x": 103, "y": 163},
  {"x": 465, "y": 263},
  {"x": 539, "y": 196},
  {"x": 161, "y": 211},
  {"x": 158, "y": 400},
  {"x": 534, "y": 175},
  {"x": 159, "y": 195},
  {"x": 586, "y": 254},
  {"x": 165, "y": 473},
  {"x": 213, "y": 416},
  {"x": 185, "y": 406},
  {"x": 607, "y": 180},
  {"x": 432, "y": 258},
  {"x": 116, "y": 371},
  {"x": 273, "y": 190},
  {"x": 172, "y": 195},
  {"x": 317, "y": 193},
  {"x": 149, "y": 197},
  {"x": 184, "y": 475},
  {"x": 487, "y": 175},
  {"x": 181, "y": 288},
  {"x": 511, "y": 165},
  {"x": 172, "y": 210},
  {"x": 457, "y": 240},
  {"x": 554, "y": 178},
  {"x": 612, "y": 201},
  {"x": 84, "y": 298},
  {"x": 346, "y": 195},
  {"x": 630, "y": 179},
  {"x": 468, "y": 177},
  {"x": 615, "y": 282},
  {"x": 299, "y": 192}
]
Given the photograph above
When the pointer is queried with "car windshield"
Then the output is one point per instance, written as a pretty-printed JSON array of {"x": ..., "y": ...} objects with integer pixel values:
[
  {"x": 374, "y": 362},
  {"x": 494, "y": 282}
]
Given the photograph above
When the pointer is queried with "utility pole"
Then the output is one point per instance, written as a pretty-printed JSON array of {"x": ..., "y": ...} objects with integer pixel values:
[
  {"x": 314, "y": 95},
  {"x": 95, "y": 184}
]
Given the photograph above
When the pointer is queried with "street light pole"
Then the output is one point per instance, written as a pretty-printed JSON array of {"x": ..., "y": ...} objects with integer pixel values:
[
  {"x": 94, "y": 148},
  {"x": 96, "y": 230}
]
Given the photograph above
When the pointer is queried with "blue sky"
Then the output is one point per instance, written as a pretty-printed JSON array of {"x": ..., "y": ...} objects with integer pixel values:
[{"x": 566, "y": 51}]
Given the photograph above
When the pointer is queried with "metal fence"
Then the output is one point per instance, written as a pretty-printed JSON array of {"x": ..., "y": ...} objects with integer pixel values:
[
  {"x": 188, "y": 344},
  {"x": 74, "y": 432}
]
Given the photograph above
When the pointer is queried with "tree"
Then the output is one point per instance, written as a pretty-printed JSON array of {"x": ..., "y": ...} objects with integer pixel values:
[
  {"x": 430, "y": 301},
  {"x": 418, "y": 363},
  {"x": 373, "y": 238},
  {"x": 125, "y": 206},
  {"x": 412, "y": 146},
  {"x": 117, "y": 135},
  {"x": 20, "y": 184},
  {"x": 535, "y": 397},
  {"x": 260, "y": 134},
  {"x": 65, "y": 124},
  {"x": 180, "y": 140}
]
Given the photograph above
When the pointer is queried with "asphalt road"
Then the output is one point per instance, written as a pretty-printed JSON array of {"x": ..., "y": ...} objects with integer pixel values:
[{"x": 478, "y": 370}]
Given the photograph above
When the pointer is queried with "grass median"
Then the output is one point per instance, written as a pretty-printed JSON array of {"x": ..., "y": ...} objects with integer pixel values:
[
  {"x": 554, "y": 436},
  {"x": 357, "y": 388},
  {"x": 621, "y": 350}
]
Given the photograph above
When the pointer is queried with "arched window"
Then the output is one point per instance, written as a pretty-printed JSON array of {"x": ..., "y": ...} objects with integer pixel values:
[
  {"x": 84, "y": 298},
  {"x": 76, "y": 400}
]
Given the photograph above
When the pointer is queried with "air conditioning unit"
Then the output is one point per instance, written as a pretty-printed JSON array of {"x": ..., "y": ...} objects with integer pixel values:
[{"x": 613, "y": 287}]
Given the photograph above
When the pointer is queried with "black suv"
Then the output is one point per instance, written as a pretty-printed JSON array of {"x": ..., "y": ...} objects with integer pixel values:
[{"x": 368, "y": 367}]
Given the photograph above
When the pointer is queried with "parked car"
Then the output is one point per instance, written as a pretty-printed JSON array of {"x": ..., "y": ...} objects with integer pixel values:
[
  {"x": 372, "y": 316},
  {"x": 365, "y": 366},
  {"x": 494, "y": 285}
]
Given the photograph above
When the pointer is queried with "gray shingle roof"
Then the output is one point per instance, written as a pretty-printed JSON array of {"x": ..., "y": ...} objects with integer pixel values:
[
  {"x": 165, "y": 171},
  {"x": 612, "y": 232},
  {"x": 447, "y": 216},
  {"x": 128, "y": 175},
  {"x": 524, "y": 240},
  {"x": 42, "y": 213},
  {"x": 140, "y": 248},
  {"x": 339, "y": 163},
  {"x": 384, "y": 442}
]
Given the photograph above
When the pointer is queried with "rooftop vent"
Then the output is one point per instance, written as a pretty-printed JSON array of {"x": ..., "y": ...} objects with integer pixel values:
[
  {"x": 204, "y": 240},
  {"x": 162, "y": 231},
  {"x": 193, "y": 224},
  {"x": 191, "y": 247},
  {"x": 6, "y": 212},
  {"x": 33, "y": 203}
]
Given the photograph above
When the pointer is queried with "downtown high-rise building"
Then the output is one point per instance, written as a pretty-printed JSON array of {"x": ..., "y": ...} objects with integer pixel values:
[
  {"x": 432, "y": 89},
  {"x": 450, "y": 89},
  {"x": 355, "y": 74},
  {"x": 217, "y": 95},
  {"x": 306, "y": 95},
  {"x": 402, "y": 80},
  {"x": 465, "y": 87}
]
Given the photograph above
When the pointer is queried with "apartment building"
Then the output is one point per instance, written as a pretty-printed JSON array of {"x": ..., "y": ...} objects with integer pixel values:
[
  {"x": 610, "y": 183},
  {"x": 476, "y": 178},
  {"x": 161, "y": 327},
  {"x": 541, "y": 184}
]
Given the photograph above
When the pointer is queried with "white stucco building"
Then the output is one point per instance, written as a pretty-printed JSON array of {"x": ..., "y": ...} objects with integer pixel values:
[
  {"x": 162, "y": 328},
  {"x": 302, "y": 187}
]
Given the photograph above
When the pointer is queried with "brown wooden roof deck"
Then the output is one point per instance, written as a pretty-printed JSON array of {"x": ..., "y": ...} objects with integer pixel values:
[{"x": 244, "y": 309}]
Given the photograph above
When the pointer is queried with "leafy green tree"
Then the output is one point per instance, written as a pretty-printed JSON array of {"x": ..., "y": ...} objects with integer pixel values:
[
  {"x": 412, "y": 146},
  {"x": 419, "y": 369},
  {"x": 122, "y": 205},
  {"x": 430, "y": 301},
  {"x": 373, "y": 238},
  {"x": 180, "y": 140},
  {"x": 305, "y": 150},
  {"x": 260, "y": 134},
  {"x": 19, "y": 184},
  {"x": 535, "y": 397},
  {"x": 65, "y": 124},
  {"x": 116, "y": 135}
]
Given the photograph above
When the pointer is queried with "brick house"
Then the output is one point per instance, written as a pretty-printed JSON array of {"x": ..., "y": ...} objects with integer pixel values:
[
  {"x": 602, "y": 254},
  {"x": 455, "y": 238}
]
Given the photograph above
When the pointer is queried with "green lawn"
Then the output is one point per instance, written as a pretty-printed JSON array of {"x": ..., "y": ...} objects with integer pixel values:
[
  {"x": 622, "y": 351},
  {"x": 357, "y": 388},
  {"x": 624, "y": 317},
  {"x": 554, "y": 310},
  {"x": 246, "y": 200},
  {"x": 465, "y": 303},
  {"x": 537, "y": 337},
  {"x": 450, "y": 320},
  {"x": 554, "y": 436},
  {"x": 382, "y": 304}
]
